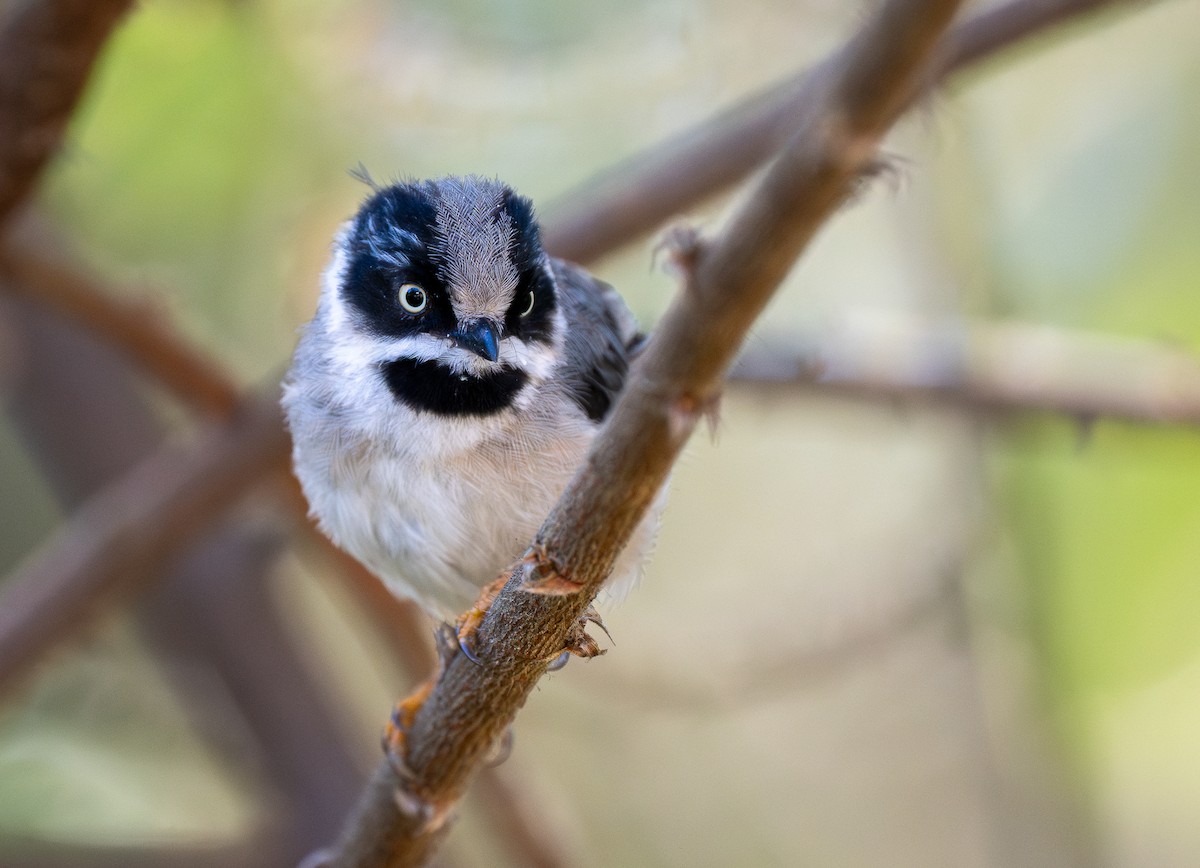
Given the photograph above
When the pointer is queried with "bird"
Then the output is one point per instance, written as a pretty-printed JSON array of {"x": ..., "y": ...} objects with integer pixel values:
[{"x": 449, "y": 386}]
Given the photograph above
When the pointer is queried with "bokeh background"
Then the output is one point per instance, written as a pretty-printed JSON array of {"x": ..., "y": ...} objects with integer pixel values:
[{"x": 874, "y": 633}]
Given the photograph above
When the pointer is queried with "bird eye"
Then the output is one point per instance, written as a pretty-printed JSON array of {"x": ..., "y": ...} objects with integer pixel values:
[
  {"x": 412, "y": 298},
  {"x": 528, "y": 307}
]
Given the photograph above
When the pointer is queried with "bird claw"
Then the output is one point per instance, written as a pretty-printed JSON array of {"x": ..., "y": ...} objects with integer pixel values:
[
  {"x": 469, "y": 621},
  {"x": 468, "y": 651},
  {"x": 579, "y": 642},
  {"x": 395, "y": 734}
]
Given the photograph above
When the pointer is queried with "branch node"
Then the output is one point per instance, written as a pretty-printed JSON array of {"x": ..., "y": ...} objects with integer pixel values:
[
  {"x": 428, "y": 816},
  {"x": 680, "y": 247},
  {"x": 541, "y": 575},
  {"x": 580, "y": 643},
  {"x": 686, "y": 409},
  {"x": 848, "y": 150}
]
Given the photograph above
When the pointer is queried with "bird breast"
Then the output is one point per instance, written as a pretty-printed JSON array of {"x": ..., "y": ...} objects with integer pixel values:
[{"x": 438, "y": 528}]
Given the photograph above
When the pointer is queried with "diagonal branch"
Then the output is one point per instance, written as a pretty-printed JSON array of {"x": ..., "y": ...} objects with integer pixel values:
[
  {"x": 633, "y": 198},
  {"x": 47, "y": 49},
  {"x": 677, "y": 379}
]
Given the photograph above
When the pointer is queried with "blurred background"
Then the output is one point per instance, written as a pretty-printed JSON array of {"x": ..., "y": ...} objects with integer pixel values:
[{"x": 874, "y": 632}]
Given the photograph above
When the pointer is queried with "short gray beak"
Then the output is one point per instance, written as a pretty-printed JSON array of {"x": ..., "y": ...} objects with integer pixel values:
[{"x": 480, "y": 336}]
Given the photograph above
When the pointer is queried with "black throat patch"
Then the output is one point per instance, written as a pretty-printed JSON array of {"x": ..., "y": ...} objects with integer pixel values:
[{"x": 436, "y": 388}]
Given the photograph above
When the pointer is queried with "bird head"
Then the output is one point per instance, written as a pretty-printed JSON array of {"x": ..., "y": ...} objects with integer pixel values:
[{"x": 444, "y": 288}]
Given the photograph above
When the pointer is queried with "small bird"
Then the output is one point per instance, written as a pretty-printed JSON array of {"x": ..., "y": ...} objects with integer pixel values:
[{"x": 449, "y": 386}]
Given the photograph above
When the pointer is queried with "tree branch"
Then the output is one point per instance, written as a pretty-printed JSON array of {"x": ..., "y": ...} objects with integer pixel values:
[
  {"x": 634, "y": 197},
  {"x": 1009, "y": 366},
  {"x": 47, "y": 48},
  {"x": 677, "y": 379}
]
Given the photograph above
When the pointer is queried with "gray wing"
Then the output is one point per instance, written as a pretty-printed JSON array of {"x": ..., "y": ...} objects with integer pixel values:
[{"x": 602, "y": 338}]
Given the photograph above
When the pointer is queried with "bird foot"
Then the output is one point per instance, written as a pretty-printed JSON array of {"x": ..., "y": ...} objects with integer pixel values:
[
  {"x": 538, "y": 577},
  {"x": 468, "y": 622},
  {"x": 395, "y": 734}
]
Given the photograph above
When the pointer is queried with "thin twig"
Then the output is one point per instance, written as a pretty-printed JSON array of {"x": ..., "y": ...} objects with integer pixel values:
[
  {"x": 985, "y": 365},
  {"x": 636, "y": 196},
  {"x": 47, "y": 49},
  {"x": 675, "y": 382},
  {"x": 1011, "y": 366}
]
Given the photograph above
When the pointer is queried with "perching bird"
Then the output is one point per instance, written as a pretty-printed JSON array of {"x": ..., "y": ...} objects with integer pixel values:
[{"x": 449, "y": 386}]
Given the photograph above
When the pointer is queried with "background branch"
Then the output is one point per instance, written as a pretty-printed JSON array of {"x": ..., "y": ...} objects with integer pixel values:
[
  {"x": 636, "y": 196},
  {"x": 142, "y": 330},
  {"x": 675, "y": 381},
  {"x": 120, "y": 537},
  {"x": 210, "y": 610},
  {"x": 984, "y": 365},
  {"x": 47, "y": 48}
]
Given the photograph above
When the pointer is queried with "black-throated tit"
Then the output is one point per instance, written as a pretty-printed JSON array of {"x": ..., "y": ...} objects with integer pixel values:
[{"x": 449, "y": 386}]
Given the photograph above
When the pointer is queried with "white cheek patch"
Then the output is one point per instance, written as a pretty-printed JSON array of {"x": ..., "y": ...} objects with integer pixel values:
[{"x": 354, "y": 350}]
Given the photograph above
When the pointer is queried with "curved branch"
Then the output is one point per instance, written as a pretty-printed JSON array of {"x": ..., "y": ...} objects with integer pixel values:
[
  {"x": 633, "y": 198},
  {"x": 677, "y": 379},
  {"x": 47, "y": 49}
]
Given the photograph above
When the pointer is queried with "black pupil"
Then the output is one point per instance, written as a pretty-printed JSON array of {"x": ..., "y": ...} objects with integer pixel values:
[{"x": 415, "y": 297}]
